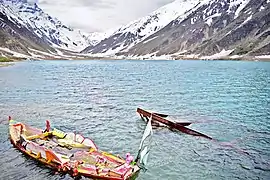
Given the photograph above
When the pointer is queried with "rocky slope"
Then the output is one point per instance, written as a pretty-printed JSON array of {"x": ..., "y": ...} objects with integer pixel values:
[
  {"x": 134, "y": 32},
  {"x": 18, "y": 38},
  {"x": 24, "y": 25},
  {"x": 207, "y": 29},
  {"x": 234, "y": 27}
]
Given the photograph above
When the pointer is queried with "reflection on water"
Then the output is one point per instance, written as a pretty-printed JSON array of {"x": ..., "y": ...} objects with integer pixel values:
[{"x": 229, "y": 100}]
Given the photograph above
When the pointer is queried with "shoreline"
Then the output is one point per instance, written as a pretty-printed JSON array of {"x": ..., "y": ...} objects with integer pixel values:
[
  {"x": 228, "y": 59},
  {"x": 6, "y": 64},
  {"x": 159, "y": 58},
  {"x": 12, "y": 60}
]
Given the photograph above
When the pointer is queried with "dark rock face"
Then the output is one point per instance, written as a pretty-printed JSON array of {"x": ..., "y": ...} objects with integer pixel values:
[
  {"x": 18, "y": 38},
  {"x": 211, "y": 28}
]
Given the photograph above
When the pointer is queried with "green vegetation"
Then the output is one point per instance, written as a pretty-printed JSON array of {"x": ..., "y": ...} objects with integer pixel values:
[
  {"x": 5, "y": 59},
  {"x": 241, "y": 50}
]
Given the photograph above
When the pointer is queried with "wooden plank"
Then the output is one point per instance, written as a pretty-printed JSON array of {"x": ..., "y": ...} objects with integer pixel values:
[
  {"x": 158, "y": 118},
  {"x": 178, "y": 126}
]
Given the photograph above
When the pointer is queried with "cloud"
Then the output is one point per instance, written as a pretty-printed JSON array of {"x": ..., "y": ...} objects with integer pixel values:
[{"x": 99, "y": 15}]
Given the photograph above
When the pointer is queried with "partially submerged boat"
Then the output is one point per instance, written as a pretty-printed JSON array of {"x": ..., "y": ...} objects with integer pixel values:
[
  {"x": 74, "y": 154},
  {"x": 158, "y": 118}
]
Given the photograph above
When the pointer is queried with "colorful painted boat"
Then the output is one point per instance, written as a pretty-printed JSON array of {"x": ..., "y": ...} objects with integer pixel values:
[{"x": 70, "y": 153}]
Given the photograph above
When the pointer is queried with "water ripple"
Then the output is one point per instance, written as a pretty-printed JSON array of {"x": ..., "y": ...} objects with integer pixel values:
[{"x": 226, "y": 100}]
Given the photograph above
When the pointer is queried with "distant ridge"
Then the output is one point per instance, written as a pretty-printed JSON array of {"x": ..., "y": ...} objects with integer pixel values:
[
  {"x": 183, "y": 29},
  {"x": 207, "y": 29}
]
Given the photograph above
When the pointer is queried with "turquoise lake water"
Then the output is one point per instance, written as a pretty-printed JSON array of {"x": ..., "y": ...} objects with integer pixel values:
[{"x": 227, "y": 100}]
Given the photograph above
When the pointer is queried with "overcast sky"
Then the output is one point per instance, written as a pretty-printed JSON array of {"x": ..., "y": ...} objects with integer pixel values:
[{"x": 99, "y": 15}]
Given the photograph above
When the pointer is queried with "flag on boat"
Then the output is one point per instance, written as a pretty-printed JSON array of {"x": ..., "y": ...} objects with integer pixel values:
[{"x": 145, "y": 145}]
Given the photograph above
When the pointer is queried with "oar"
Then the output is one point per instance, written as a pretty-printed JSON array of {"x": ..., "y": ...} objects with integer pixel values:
[
  {"x": 157, "y": 118},
  {"x": 180, "y": 123},
  {"x": 161, "y": 115},
  {"x": 183, "y": 123},
  {"x": 193, "y": 122},
  {"x": 157, "y": 123},
  {"x": 166, "y": 115},
  {"x": 190, "y": 131}
]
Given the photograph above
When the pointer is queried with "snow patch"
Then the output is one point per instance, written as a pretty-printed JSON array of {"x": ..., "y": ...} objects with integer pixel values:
[
  {"x": 209, "y": 19},
  {"x": 236, "y": 57},
  {"x": 59, "y": 52},
  {"x": 221, "y": 54},
  {"x": 248, "y": 19},
  {"x": 241, "y": 5},
  {"x": 15, "y": 54},
  {"x": 39, "y": 52},
  {"x": 192, "y": 56},
  {"x": 262, "y": 8},
  {"x": 263, "y": 56},
  {"x": 148, "y": 40}
]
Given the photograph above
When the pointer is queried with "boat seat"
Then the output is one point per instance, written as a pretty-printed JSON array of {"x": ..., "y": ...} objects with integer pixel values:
[
  {"x": 58, "y": 133},
  {"x": 39, "y": 136},
  {"x": 114, "y": 174}
]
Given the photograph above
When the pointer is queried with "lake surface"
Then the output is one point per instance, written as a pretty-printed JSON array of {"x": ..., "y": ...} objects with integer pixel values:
[{"x": 229, "y": 101}]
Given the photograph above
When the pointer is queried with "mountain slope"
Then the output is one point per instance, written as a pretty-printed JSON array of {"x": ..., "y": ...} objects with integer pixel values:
[
  {"x": 18, "y": 38},
  {"x": 47, "y": 28},
  {"x": 238, "y": 27},
  {"x": 199, "y": 28},
  {"x": 134, "y": 32}
]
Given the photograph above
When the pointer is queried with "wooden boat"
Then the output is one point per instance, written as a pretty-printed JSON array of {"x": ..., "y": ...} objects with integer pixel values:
[
  {"x": 160, "y": 118},
  {"x": 70, "y": 153}
]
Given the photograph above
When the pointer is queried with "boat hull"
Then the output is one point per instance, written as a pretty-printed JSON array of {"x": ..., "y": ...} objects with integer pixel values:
[
  {"x": 83, "y": 160},
  {"x": 178, "y": 126}
]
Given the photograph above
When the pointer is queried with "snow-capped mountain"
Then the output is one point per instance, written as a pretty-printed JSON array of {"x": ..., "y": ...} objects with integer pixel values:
[
  {"x": 134, "y": 32},
  {"x": 233, "y": 27},
  {"x": 47, "y": 28},
  {"x": 18, "y": 38},
  {"x": 158, "y": 19},
  {"x": 183, "y": 28}
]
